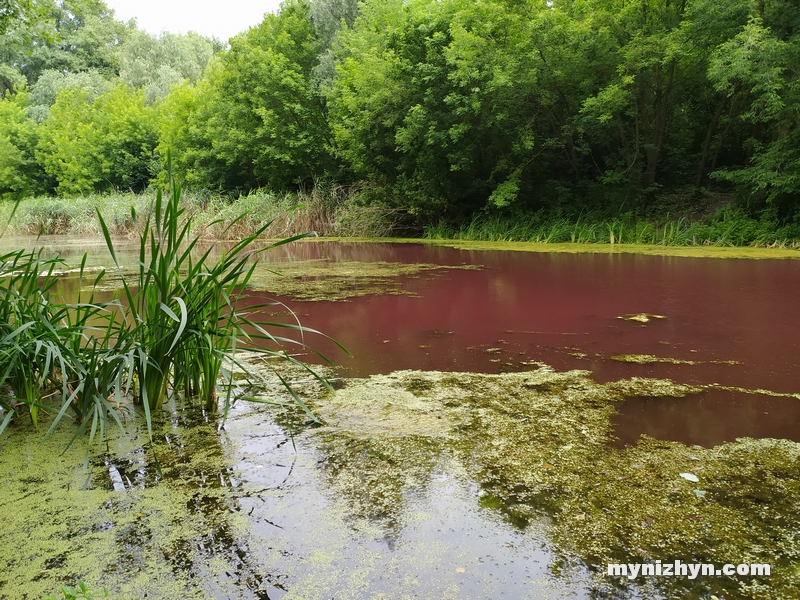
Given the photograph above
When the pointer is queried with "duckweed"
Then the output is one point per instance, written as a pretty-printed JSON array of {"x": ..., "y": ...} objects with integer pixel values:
[
  {"x": 537, "y": 444},
  {"x": 322, "y": 279}
]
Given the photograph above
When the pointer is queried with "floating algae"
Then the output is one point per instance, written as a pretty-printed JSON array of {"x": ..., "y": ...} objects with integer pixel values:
[
  {"x": 537, "y": 445},
  {"x": 115, "y": 526},
  {"x": 647, "y": 359},
  {"x": 312, "y": 280},
  {"x": 641, "y": 317},
  {"x": 321, "y": 279},
  {"x": 722, "y": 252}
]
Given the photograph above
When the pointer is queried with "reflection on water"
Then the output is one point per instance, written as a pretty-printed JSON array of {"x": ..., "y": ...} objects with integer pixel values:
[
  {"x": 254, "y": 511},
  {"x": 267, "y": 507},
  {"x": 708, "y": 419}
]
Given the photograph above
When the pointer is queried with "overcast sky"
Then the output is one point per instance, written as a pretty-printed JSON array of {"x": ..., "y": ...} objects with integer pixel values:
[{"x": 220, "y": 18}]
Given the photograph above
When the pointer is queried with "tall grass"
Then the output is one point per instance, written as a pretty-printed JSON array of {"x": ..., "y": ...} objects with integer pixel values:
[
  {"x": 329, "y": 210},
  {"x": 178, "y": 329},
  {"x": 725, "y": 227}
]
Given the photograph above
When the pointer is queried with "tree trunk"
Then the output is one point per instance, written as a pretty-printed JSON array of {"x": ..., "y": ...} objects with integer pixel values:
[{"x": 701, "y": 168}]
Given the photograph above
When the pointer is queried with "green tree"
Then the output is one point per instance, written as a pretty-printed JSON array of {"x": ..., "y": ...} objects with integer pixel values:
[
  {"x": 68, "y": 36},
  {"x": 14, "y": 11},
  {"x": 20, "y": 174},
  {"x": 44, "y": 92},
  {"x": 159, "y": 63},
  {"x": 259, "y": 121},
  {"x": 105, "y": 144},
  {"x": 758, "y": 69},
  {"x": 447, "y": 104}
]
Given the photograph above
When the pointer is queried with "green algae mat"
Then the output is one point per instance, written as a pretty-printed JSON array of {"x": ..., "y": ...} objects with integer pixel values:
[{"x": 417, "y": 484}]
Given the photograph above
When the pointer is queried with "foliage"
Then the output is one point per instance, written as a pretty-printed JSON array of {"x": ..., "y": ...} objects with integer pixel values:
[
  {"x": 432, "y": 99},
  {"x": 80, "y": 592},
  {"x": 159, "y": 63},
  {"x": 69, "y": 36},
  {"x": 326, "y": 209},
  {"x": 441, "y": 108},
  {"x": 760, "y": 67},
  {"x": 12, "y": 10},
  {"x": 74, "y": 216},
  {"x": 45, "y": 91},
  {"x": 108, "y": 143},
  {"x": 179, "y": 328},
  {"x": 19, "y": 171},
  {"x": 186, "y": 322},
  {"x": 255, "y": 120},
  {"x": 42, "y": 350}
]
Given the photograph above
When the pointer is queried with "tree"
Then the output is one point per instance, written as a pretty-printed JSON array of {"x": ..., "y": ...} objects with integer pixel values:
[
  {"x": 19, "y": 172},
  {"x": 14, "y": 11},
  {"x": 69, "y": 36},
  {"x": 259, "y": 122},
  {"x": 450, "y": 105},
  {"x": 159, "y": 63},
  {"x": 44, "y": 92},
  {"x": 758, "y": 69},
  {"x": 98, "y": 145}
]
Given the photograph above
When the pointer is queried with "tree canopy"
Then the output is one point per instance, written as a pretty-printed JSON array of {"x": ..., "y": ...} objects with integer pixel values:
[{"x": 443, "y": 107}]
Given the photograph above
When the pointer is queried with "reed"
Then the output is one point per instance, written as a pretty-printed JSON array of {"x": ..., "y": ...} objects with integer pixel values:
[
  {"x": 725, "y": 227},
  {"x": 178, "y": 327}
]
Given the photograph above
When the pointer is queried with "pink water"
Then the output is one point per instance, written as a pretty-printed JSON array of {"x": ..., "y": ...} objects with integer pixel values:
[{"x": 562, "y": 309}]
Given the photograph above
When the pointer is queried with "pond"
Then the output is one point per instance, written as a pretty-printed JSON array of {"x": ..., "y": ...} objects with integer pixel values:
[{"x": 484, "y": 439}]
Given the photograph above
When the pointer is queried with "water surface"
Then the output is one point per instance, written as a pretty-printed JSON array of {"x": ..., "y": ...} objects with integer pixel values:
[{"x": 269, "y": 507}]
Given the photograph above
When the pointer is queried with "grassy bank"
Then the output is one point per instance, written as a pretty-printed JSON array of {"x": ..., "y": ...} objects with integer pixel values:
[
  {"x": 329, "y": 211},
  {"x": 726, "y": 226},
  {"x": 338, "y": 211}
]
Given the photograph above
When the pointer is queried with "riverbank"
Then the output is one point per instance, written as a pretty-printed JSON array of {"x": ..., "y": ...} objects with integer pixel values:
[
  {"x": 344, "y": 213},
  {"x": 335, "y": 211}
]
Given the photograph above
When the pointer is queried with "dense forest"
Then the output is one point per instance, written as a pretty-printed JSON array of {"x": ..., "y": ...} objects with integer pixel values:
[{"x": 442, "y": 108}]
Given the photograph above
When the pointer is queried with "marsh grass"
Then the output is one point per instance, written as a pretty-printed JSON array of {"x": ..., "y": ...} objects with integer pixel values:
[
  {"x": 727, "y": 226},
  {"x": 327, "y": 209},
  {"x": 177, "y": 328}
]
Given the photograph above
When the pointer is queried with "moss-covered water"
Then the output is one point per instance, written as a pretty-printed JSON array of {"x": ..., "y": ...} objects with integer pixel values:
[
  {"x": 453, "y": 461},
  {"x": 439, "y": 484}
]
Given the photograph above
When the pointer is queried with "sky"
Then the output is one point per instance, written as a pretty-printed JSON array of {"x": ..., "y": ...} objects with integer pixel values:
[{"x": 220, "y": 18}]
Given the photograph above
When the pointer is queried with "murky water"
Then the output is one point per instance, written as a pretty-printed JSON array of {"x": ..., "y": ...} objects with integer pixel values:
[
  {"x": 424, "y": 487},
  {"x": 723, "y": 323},
  {"x": 726, "y": 323}
]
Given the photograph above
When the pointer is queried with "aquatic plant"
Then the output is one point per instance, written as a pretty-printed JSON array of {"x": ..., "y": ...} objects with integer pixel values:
[
  {"x": 29, "y": 348},
  {"x": 182, "y": 309},
  {"x": 179, "y": 327},
  {"x": 80, "y": 592},
  {"x": 51, "y": 349}
]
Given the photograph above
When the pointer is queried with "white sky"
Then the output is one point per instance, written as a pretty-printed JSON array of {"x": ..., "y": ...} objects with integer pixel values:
[{"x": 220, "y": 18}]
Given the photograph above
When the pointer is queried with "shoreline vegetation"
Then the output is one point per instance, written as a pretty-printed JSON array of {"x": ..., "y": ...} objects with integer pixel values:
[
  {"x": 559, "y": 122},
  {"x": 177, "y": 327},
  {"x": 338, "y": 213}
]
